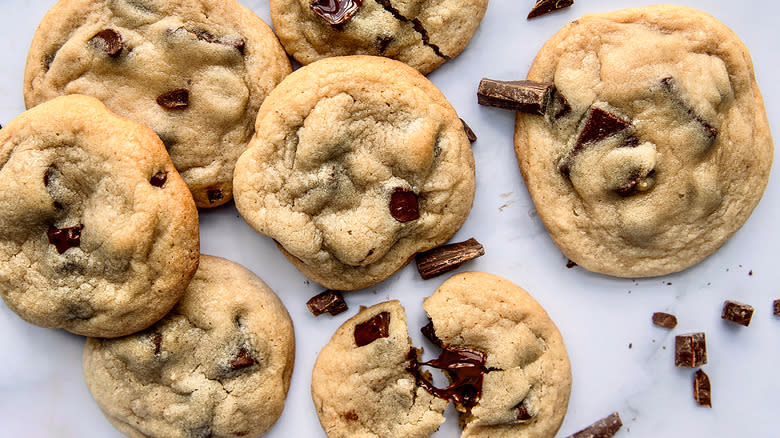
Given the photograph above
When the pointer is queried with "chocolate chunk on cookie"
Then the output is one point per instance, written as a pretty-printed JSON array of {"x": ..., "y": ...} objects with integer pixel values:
[
  {"x": 219, "y": 364},
  {"x": 195, "y": 71},
  {"x": 100, "y": 234}
]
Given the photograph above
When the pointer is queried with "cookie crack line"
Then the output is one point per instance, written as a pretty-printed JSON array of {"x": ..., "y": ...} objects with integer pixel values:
[{"x": 418, "y": 27}]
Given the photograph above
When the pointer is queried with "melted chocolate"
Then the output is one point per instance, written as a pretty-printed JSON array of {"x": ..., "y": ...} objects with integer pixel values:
[
  {"x": 403, "y": 205},
  {"x": 174, "y": 99},
  {"x": 466, "y": 368},
  {"x": 335, "y": 12},
  {"x": 65, "y": 238},
  {"x": 373, "y": 329}
]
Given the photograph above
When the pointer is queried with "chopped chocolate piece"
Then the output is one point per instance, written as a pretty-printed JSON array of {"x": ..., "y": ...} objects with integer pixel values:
[
  {"x": 174, "y": 99},
  {"x": 522, "y": 413},
  {"x": 543, "y": 7},
  {"x": 157, "y": 342},
  {"x": 382, "y": 42},
  {"x": 670, "y": 85},
  {"x": 447, "y": 258},
  {"x": 604, "y": 428},
  {"x": 664, "y": 320},
  {"x": 690, "y": 350},
  {"x": 65, "y": 238},
  {"x": 110, "y": 41},
  {"x": 465, "y": 367},
  {"x": 403, "y": 205},
  {"x": 429, "y": 332},
  {"x": 329, "y": 301},
  {"x": 158, "y": 179},
  {"x": 570, "y": 264},
  {"x": 776, "y": 307},
  {"x": 373, "y": 329},
  {"x": 214, "y": 195},
  {"x": 524, "y": 96},
  {"x": 701, "y": 388},
  {"x": 469, "y": 132},
  {"x": 209, "y": 38},
  {"x": 242, "y": 360},
  {"x": 737, "y": 312},
  {"x": 600, "y": 125},
  {"x": 335, "y": 12},
  {"x": 559, "y": 106}
]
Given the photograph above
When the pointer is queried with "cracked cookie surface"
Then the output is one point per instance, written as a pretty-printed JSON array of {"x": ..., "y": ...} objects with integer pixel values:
[
  {"x": 357, "y": 164},
  {"x": 219, "y": 364},
  {"x": 195, "y": 71},
  {"x": 421, "y": 33},
  {"x": 98, "y": 233},
  {"x": 666, "y": 150}
]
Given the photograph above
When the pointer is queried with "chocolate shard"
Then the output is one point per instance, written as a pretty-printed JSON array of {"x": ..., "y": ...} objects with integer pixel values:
[
  {"x": 383, "y": 42},
  {"x": 559, "y": 106},
  {"x": 447, "y": 258},
  {"x": 336, "y": 12},
  {"x": 701, "y": 388},
  {"x": 664, "y": 320},
  {"x": 776, "y": 307},
  {"x": 524, "y": 96},
  {"x": 158, "y": 179},
  {"x": 373, "y": 329},
  {"x": 174, "y": 99},
  {"x": 329, "y": 301},
  {"x": 737, "y": 312},
  {"x": 203, "y": 35},
  {"x": 242, "y": 360},
  {"x": 465, "y": 368},
  {"x": 600, "y": 125},
  {"x": 604, "y": 428},
  {"x": 543, "y": 7},
  {"x": 469, "y": 132},
  {"x": 403, "y": 205},
  {"x": 65, "y": 238},
  {"x": 110, "y": 41},
  {"x": 214, "y": 195},
  {"x": 690, "y": 350},
  {"x": 570, "y": 264},
  {"x": 430, "y": 332},
  {"x": 156, "y": 339},
  {"x": 670, "y": 85}
]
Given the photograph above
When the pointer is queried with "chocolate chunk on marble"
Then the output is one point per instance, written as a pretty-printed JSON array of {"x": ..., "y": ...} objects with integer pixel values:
[
  {"x": 604, "y": 428},
  {"x": 701, "y": 389},
  {"x": 664, "y": 320},
  {"x": 543, "y": 7},
  {"x": 65, "y": 238},
  {"x": 690, "y": 350},
  {"x": 447, "y": 258},
  {"x": 329, "y": 301},
  {"x": 737, "y": 313},
  {"x": 524, "y": 96}
]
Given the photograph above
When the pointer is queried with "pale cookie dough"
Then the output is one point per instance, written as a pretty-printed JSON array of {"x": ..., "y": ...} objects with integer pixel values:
[
  {"x": 218, "y": 365},
  {"x": 98, "y": 233},
  {"x": 357, "y": 164},
  {"x": 666, "y": 148},
  {"x": 195, "y": 71},
  {"x": 421, "y": 33}
]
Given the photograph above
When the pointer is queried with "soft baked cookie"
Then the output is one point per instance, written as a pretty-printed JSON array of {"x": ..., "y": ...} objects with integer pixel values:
[
  {"x": 421, "y": 33},
  {"x": 218, "y": 365},
  {"x": 98, "y": 233},
  {"x": 665, "y": 149},
  {"x": 195, "y": 71},
  {"x": 357, "y": 164}
]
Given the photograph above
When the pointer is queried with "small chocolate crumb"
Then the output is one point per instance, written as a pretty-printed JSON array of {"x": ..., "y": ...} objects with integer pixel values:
[
  {"x": 110, "y": 41},
  {"x": 157, "y": 339},
  {"x": 630, "y": 345},
  {"x": 373, "y": 329},
  {"x": 336, "y": 12},
  {"x": 404, "y": 206},
  {"x": 750, "y": 273},
  {"x": 737, "y": 312},
  {"x": 214, "y": 195},
  {"x": 701, "y": 388},
  {"x": 664, "y": 320},
  {"x": 469, "y": 132},
  {"x": 524, "y": 96},
  {"x": 174, "y": 99},
  {"x": 690, "y": 350},
  {"x": 242, "y": 360},
  {"x": 776, "y": 307},
  {"x": 158, "y": 179},
  {"x": 429, "y": 332},
  {"x": 329, "y": 301},
  {"x": 570, "y": 264},
  {"x": 447, "y": 258},
  {"x": 543, "y": 7},
  {"x": 65, "y": 238},
  {"x": 604, "y": 428}
]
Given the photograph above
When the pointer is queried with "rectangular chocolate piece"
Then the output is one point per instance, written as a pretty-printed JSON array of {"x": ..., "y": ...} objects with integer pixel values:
[
  {"x": 524, "y": 96},
  {"x": 737, "y": 312},
  {"x": 690, "y": 350},
  {"x": 701, "y": 389},
  {"x": 664, "y": 320},
  {"x": 469, "y": 132},
  {"x": 329, "y": 301},
  {"x": 447, "y": 258},
  {"x": 604, "y": 428}
]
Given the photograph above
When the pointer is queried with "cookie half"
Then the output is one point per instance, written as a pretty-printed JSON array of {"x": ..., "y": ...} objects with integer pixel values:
[
  {"x": 195, "y": 71},
  {"x": 98, "y": 233},
  {"x": 357, "y": 164},
  {"x": 422, "y": 34},
  {"x": 665, "y": 147},
  {"x": 218, "y": 365}
]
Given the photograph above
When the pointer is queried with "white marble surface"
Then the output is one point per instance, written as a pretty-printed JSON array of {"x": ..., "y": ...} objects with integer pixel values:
[{"x": 620, "y": 361}]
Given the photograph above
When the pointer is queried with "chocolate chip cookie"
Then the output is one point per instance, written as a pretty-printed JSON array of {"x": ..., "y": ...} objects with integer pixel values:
[
  {"x": 98, "y": 233},
  {"x": 195, "y": 71},
  {"x": 218, "y": 365},
  {"x": 423, "y": 34},
  {"x": 663, "y": 147},
  {"x": 357, "y": 164}
]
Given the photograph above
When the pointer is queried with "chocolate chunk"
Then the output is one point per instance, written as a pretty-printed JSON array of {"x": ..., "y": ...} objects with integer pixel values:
[
  {"x": 737, "y": 312},
  {"x": 65, "y": 238},
  {"x": 335, "y": 12},
  {"x": 373, "y": 329},
  {"x": 157, "y": 342},
  {"x": 203, "y": 35},
  {"x": 447, "y": 258},
  {"x": 403, "y": 205},
  {"x": 600, "y": 125},
  {"x": 158, "y": 179},
  {"x": 570, "y": 264},
  {"x": 110, "y": 41},
  {"x": 543, "y": 7},
  {"x": 522, "y": 413},
  {"x": 670, "y": 85},
  {"x": 351, "y": 416},
  {"x": 48, "y": 175},
  {"x": 429, "y": 332},
  {"x": 604, "y": 428},
  {"x": 524, "y": 96},
  {"x": 776, "y": 307},
  {"x": 465, "y": 367},
  {"x": 329, "y": 301},
  {"x": 214, "y": 195},
  {"x": 174, "y": 99},
  {"x": 383, "y": 42},
  {"x": 469, "y": 132},
  {"x": 664, "y": 320},
  {"x": 701, "y": 388},
  {"x": 242, "y": 360},
  {"x": 690, "y": 350}
]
